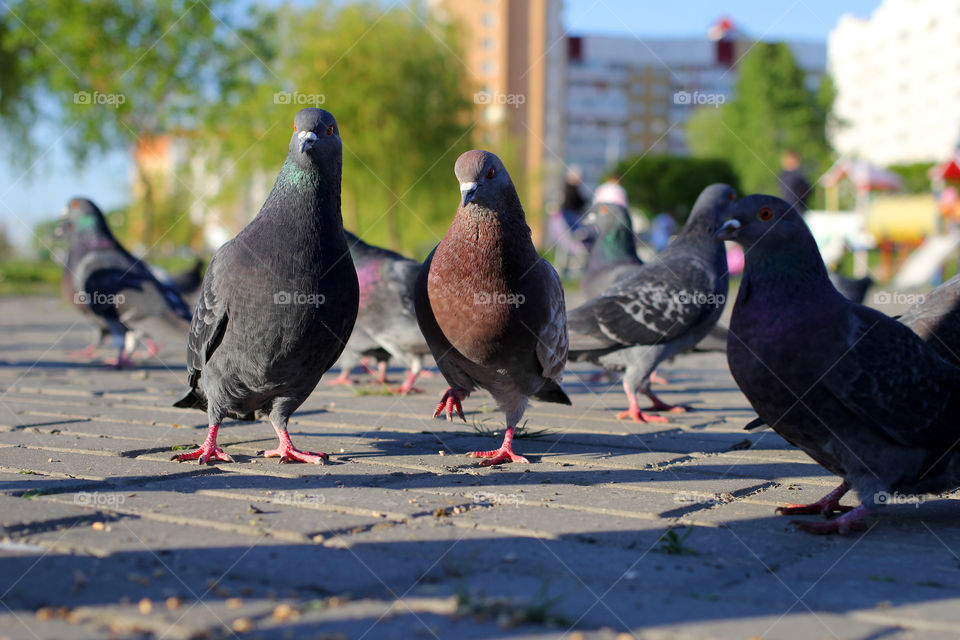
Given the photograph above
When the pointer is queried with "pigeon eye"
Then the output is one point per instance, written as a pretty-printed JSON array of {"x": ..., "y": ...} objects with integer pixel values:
[
  {"x": 490, "y": 173},
  {"x": 330, "y": 130},
  {"x": 731, "y": 196},
  {"x": 765, "y": 213}
]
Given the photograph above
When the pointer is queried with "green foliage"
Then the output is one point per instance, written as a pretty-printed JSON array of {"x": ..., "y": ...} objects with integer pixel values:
[
  {"x": 914, "y": 176},
  {"x": 658, "y": 183},
  {"x": 391, "y": 77},
  {"x": 121, "y": 74},
  {"x": 773, "y": 111}
]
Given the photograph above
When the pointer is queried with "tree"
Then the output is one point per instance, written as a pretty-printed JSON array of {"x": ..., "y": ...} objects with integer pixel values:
[
  {"x": 124, "y": 75},
  {"x": 664, "y": 183},
  {"x": 773, "y": 110},
  {"x": 391, "y": 77}
]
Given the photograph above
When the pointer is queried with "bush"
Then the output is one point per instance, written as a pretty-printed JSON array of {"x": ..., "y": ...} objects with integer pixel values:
[{"x": 665, "y": 183}]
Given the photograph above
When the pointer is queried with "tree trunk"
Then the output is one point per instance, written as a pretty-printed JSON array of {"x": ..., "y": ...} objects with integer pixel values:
[{"x": 145, "y": 232}]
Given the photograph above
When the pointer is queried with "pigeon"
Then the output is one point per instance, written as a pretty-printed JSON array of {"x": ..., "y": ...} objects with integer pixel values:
[
  {"x": 491, "y": 309},
  {"x": 111, "y": 287},
  {"x": 278, "y": 301},
  {"x": 386, "y": 311},
  {"x": 358, "y": 351},
  {"x": 186, "y": 282},
  {"x": 614, "y": 251},
  {"x": 662, "y": 309},
  {"x": 857, "y": 391},
  {"x": 854, "y": 289},
  {"x": 936, "y": 319}
]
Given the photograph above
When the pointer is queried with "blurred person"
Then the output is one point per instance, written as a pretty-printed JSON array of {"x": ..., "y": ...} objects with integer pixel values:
[
  {"x": 663, "y": 227},
  {"x": 794, "y": 187},
  {"x": 611, "y": 191},
  {"x": 573, "y": 200}
]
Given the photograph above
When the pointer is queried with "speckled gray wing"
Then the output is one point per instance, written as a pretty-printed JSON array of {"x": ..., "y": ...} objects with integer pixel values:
[
  {"x": 895, "y": 383},
  {"x": 660, "y": 303},
  {"x": 209, "y": 322},
  {"x": 552, "y": 340}
]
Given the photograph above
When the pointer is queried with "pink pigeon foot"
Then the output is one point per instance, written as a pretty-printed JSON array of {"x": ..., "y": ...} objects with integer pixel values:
[
  {"x": 289, "y": 453},
  {"x": 660, "y": 405},
  {"x": 827, "y": 505},
  {"x": 342, "y": 379},
  {"x": 207, "y": 451},
  {"x": 407, "y": 386},
  {"x": 153, "y": 348},
  {"x": 503, "y": 454},
  {"x": 382, "y": 372},
  {"x": 655, "y": 379},
  {"x": 633, "y": 410},
  {"x": 88, "y": 351},
  {"x": 122, "y": 361},
  {"x": 850, "y": 521},
  {"x": 451, "y": 400}
]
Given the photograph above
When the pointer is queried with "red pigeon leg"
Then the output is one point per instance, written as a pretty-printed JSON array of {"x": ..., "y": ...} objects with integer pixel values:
[
  {"x": 451, "y": 400},
  {"x": 207, "y": 451},
  {"x": 382, "y": 372},
  {"x": 850, "y": 521},
  {"x": 660, "y": 405},
  {"x": 289, "y": 453},
  {"x": 343, "y": 378},
  {"x": 826, "y": 505},
  {"x": 153, "y": 347},
  {"x": 407, "y": 386},
  {"x": 634, "y": 409},
  {"x": 503, "y": 454},
  {"x": 88, "y": 351}
]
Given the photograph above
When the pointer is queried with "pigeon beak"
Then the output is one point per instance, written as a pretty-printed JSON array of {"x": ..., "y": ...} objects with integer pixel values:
[
  {"x": 467, "y": 189},
  {"x": 728, "y": 230},
  {"x": 306, "y": 138}
]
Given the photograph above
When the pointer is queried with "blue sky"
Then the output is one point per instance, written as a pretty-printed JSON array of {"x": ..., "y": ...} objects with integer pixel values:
[{"x": 29, "y": 195}]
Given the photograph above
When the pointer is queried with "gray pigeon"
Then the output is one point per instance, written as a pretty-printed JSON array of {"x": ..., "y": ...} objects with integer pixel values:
[
  {"x": 490, "y": 308},
  {"x": 613, "y": 254},
  {"x": 107, "y": 284},
  {"x": 936, "y": 319},
  {"x": 279, "y": 301},
  {"x": 853, "y": 388},
  {"x": 358, "y": 351},
  {"x": 386, "y": 311},
  {"x": 662, "y": 309}
]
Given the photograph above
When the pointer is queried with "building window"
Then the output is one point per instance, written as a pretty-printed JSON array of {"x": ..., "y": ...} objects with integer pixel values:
[
  {"x": 488, "y": 19},
  {"x": 488, "y": 43}
]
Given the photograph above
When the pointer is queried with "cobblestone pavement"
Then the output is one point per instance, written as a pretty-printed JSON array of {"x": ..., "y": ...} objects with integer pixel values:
[{"x": 401, "y": 536}]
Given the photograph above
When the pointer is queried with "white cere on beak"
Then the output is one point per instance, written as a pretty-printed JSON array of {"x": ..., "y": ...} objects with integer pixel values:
[
  {"x": 467, "y": 186},
  {"x": 731, "y": 225},
  {"x": 305, "y": 137}
]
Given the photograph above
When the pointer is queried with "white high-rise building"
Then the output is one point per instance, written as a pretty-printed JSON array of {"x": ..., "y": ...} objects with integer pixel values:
[{"x": 897, "y": 76}]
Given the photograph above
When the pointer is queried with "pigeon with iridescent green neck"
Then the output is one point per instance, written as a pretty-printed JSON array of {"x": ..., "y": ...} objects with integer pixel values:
[{"x": 279, "y": 301}]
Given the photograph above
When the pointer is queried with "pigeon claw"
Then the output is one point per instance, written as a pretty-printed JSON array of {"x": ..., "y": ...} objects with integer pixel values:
[
  {"x": 498, "y": 456},
  {"x": 640, "y": 416},
  {"x": 292, "y": 454},
  {"x": 660, "y": 405},
  {"x": 122, "y": 362},
  {"x": 342, "y": 380},
  {"x": 404, "y": 390},
  {"x": 655, "y": 379},
  {"x": 831, "y": 526},
  {"x": 827, "y": 505},
  {"x": 204, "y": 454},
  {"x": 451, "y": 400},
  {"x": 88, "y": 351}
]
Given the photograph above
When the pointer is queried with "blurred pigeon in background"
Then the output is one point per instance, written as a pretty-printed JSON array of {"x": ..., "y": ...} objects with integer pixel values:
[
  {"x": 278, "y": 301},
  {"x": 111, "y": 287},
  {"x": 386, "y": 312},
  {"x": 936, "y": 319},
  {"x": 491, "y": 309},
  {"x": 360, "y": 348},
  {"x": 662, "y": 309},
  {"x": 853, "y": 388},
  {"x": 614, "y": 250}
]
